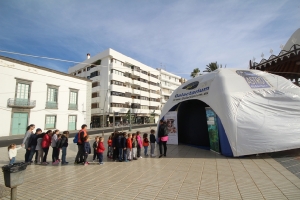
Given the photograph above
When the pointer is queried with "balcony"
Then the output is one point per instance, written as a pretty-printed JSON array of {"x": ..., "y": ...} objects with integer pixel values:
[
  {"x": 168, "y": 87},
  {"x": 96, "y": 100},
  {"x": 21, "y": 103},
  {"x": 73, "y": 107},
  {"x": 51, "y": 105}
]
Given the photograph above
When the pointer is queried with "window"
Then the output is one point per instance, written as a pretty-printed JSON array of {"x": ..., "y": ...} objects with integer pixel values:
[
  {"x": 114, "y": 93},
  {"x": 95, "y": 105},
  {"x": 144, "y": 98},
  {"x": 73, "y": 100},
  {"x": 119, "y": 105},
  {"x": 95, "y": 84},
  {"x": 113, "y": 71},
  {"x": 117, "y": 83},
  {"x": 52, "y": 97},
  {"x": 88, "y": 69},
  {"x": 145, "y": 107},
  {"x": 79, "y": 72},
  {"x": 50, "y": 121},
  {"x": 22, "y": 91},
  {"x": 84, "y": 69},
  {"x": 95, "y": 94},
  {"x": 98, "y": 62},
  {"x": 93, "y": 74}
]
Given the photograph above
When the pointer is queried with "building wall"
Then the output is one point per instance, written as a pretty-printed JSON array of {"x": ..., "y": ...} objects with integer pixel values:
[
  {"x": 12, "y": 71},
  {"x": 113, "y": 60}
]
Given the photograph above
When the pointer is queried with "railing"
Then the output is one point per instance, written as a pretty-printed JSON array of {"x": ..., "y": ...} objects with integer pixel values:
[
  {"x": 21, "y": 103},
  {"x": 73, "y": 107},
  {"x": 51, "y": 105}
]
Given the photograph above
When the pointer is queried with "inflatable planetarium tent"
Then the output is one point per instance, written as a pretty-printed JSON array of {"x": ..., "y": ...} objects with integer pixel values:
[{"x": 235, "y": 112}]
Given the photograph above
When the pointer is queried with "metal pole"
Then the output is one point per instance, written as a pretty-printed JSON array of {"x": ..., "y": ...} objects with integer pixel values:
[
  {"x": 13, "y": 193},
  {"x": 114, "y": 122},
  {"x": 129, "y": 119}
]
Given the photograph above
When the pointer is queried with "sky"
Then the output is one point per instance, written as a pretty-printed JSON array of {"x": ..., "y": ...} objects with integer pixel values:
[{"x": 175, "y": 35}]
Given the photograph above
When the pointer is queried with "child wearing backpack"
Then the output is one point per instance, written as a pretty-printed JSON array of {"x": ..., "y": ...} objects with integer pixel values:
[
  {"x": 100, "y": 150},
  {"x": 12, "y": 153},
  {"x": 64, "y": 146},
  {"x": 39, "y": 148},
  {"x": 58, "y": 146},
  {"x": 87, "y": 149},
  {"x": 55, "y": 151},
  {"x": 95, "y": 145},
  {"x": 134, "y": 147},
  {"x": 152, "y": 142},
  {"x": 145, "y": 144}
]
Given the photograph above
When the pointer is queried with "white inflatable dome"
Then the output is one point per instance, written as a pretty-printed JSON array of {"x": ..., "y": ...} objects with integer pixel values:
[{"x": 260, "y": 112}]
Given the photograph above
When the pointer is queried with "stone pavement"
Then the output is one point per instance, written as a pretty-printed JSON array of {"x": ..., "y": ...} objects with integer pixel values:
[{"x": 186, "y": 173}]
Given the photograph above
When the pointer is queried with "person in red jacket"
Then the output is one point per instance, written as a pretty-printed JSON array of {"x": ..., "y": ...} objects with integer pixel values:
[
  {"x": 129, "y": 147},
  {"x": 46, "y": 142},
  {"x": 100, "y": 150}
]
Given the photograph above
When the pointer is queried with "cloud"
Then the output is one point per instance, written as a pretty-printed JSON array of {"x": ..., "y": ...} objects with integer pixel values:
[{"x": 180, "y": 34}]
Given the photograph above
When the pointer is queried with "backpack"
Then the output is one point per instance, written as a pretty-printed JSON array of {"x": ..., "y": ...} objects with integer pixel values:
[
  {"x": 59, "y": 143},
  {"x": 75, "y": 140},
  {"x": 166, "y": 131}
]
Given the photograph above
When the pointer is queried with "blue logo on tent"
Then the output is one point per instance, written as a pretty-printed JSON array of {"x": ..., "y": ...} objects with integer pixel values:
[{"x": 191, "y": 86}]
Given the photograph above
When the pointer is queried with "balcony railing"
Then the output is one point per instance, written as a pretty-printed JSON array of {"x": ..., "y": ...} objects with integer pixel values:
[
  {"x": 51, "y": 105},
  {"x": 73, "y": 107},
  {"x": 21, "y": 103}
]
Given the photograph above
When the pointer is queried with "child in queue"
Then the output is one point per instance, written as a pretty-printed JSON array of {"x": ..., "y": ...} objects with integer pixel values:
[
  {"x": 145, "y": 144},
  {"x": 129, "y": 147},
  {"x": 134, "y": 147},
  {"x": 152, "y": 142},
  {"x": 46, "y": 142},
  {"x": 100, "y": 150},
  {"x": 39, "y": 148},
  {"x": 139, "y": 145},
  {"x": 95, "y": 145},
  {"x": 64, "y": 146},
  {"x": 87, "y": 149},
  {"x": 109, "y": 146}
]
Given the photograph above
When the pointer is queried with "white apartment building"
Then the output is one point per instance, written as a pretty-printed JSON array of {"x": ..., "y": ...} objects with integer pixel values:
[
  {"x": 121, "y": 85},
  {"x": 169, "y": 83},
  {"x": 50, "y": 99}
]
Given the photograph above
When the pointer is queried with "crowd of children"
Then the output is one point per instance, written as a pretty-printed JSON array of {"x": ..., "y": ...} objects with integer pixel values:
[
  {"x": 38, "y": 144},
  {"x": 122, "y": 147}
]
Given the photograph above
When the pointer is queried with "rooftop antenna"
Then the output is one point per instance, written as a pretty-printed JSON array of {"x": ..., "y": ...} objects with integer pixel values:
[{"x": 281, "y": 46}]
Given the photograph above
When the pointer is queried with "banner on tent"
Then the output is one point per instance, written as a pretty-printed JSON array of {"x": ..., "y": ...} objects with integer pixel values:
[
  {"x": 212, "y": 130},
  {"x": 193, "y": 90},
  {"x": 171, "y": 119},
  {"x": 253, "y": 80}
]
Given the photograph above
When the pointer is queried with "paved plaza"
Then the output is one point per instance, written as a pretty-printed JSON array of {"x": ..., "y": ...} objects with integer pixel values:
[{"x": 186, "y": 173}]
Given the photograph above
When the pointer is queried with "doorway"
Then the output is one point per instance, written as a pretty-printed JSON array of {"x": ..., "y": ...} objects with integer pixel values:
[
  {"x": 19, "y": 123},
  {"x": 192, "y": 123}
]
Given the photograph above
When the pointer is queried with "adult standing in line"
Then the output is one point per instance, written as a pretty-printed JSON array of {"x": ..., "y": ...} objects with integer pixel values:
[
  {"x": 81, "y": 135},
  {"x": 29, "y": 131},
  {"x": 163, "y": 137},
  {"x": 91, "y": 125}
]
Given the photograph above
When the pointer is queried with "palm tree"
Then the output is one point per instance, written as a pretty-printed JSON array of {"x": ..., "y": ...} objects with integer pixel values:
[
  {"x": 213, "y": 66},
  {"x": 195, "y": 72}
]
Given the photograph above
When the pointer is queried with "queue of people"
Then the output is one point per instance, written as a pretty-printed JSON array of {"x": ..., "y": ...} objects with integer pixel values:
[{"x": 121, "y": 146}]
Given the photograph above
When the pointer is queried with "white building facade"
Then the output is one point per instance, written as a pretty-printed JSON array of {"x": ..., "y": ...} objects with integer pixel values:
[
  {"x": 169, "y": 83},
  {"x": 121, "y": 85},
  {"x": 50, "y": 99}
]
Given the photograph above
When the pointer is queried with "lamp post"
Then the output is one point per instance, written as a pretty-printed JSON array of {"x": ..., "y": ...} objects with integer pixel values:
[{"x": 129, "y": 117}]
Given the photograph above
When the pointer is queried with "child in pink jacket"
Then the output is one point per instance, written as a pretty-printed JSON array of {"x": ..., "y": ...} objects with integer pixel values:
[{"x": 140, "y": 144}]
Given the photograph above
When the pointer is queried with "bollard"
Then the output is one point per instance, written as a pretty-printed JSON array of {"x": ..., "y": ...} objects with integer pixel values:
[
  {"x": 102, "y": 133},
  {"x": 13, "y": 177}
]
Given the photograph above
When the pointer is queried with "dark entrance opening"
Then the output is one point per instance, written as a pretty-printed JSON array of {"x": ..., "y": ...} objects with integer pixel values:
[{"x": 192, "y": 123}]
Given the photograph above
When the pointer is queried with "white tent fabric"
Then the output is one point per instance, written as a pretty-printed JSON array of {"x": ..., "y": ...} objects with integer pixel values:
[{"x": 260, "y": 112}]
